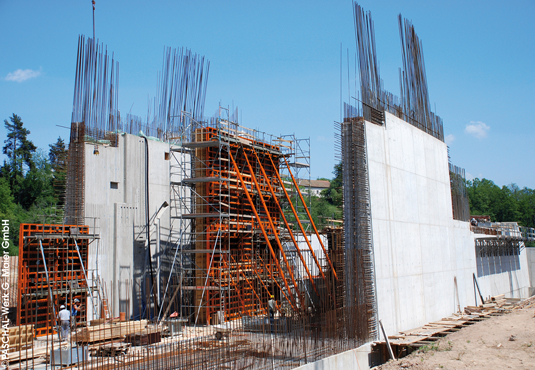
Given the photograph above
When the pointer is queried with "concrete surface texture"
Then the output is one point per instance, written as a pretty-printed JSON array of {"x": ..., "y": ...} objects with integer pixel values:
[
  {"x": 419, "y": 248},
  {"x": 531, "y": 267},
  {"x": 353, "y": 359},
  {"x": 116, "y": 197}
]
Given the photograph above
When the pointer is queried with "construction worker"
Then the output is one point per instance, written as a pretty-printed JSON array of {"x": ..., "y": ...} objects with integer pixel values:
[
  {"x": 75, "y": 307},
  {"x": 64, "y": 318},
  {"x": 272, "y": 307},
  {"x": 74, "y": 311}
]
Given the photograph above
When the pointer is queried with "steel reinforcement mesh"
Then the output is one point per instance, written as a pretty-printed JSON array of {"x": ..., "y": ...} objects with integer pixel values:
[{"x": 359, "y": 261}]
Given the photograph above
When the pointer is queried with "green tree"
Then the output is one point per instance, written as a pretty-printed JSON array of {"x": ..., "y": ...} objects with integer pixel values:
[
  {"x": 58, "y": 155},
  {"x": 501, "y": 204},
  {"x": 329, "y": 204},
  {"x": 37, "y": 188},
  {"x": 19, "y": 151},
  {"x": 7, "y": 204},
  {"x": 334, "y": 194},
  {"x": 322, "y": 210},
  {"x": 525, "y": 204},
  {"x": 8, "y": 210}
]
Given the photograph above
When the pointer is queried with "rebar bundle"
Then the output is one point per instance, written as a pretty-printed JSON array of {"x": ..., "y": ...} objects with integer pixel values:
[
  {"x": 94, "y": 117},
  {"x": 359, "y": 263},
  {"x": 181, "y": 92},
  {"x": 370, "y": 81},
  {"x": 459, "y": 196},
  {"x": 414, "y": 91},
  {"x": 414, "y": 106},
  {"x": 96, "y": 88}
]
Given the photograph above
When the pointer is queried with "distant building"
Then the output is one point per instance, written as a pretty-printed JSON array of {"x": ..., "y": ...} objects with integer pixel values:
[{"x": 315, "y": 186}]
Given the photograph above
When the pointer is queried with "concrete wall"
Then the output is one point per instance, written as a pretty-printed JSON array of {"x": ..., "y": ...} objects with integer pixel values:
[
  {"x": 419, "y": 248},
  {"x": 115, "y": 199},
  {"x": 530, "y": 252},
  {"x": 353, "y": 359}
]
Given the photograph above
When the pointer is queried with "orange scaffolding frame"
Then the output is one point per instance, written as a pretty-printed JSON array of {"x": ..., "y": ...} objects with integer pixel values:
[
  {"x": 66, "y": 279},
  {"x": 235, "y": 258}
]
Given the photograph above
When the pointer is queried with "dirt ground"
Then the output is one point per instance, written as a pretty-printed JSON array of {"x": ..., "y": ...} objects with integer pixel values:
[{"x": 500, "y": 342}]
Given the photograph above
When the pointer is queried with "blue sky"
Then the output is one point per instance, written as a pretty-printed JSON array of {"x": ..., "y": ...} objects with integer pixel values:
[{"x": 279, "y": 62}]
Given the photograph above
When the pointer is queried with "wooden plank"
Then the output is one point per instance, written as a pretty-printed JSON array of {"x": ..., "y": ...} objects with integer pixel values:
[
  {"x": 447, "y": 323},
  {"x": 109, "y": 331},
  {"x": 26, "y": 355}
]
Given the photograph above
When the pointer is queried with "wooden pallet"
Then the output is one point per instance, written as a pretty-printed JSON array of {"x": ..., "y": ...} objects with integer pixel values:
[
  {"x": 20, "y": 336},
  {"x": 108, "y": 331}
]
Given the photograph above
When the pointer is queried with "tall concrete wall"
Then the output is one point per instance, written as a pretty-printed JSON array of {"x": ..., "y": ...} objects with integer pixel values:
[
  {"x": 115, "y": 199},
  {"x": 419, "y": 248}
]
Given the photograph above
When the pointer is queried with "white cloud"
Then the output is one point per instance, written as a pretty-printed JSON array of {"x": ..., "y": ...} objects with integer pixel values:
[
  {"x": 21, "y": 75},
  {"x": 449, "y": 139},
  {"x": 477, "y": 129},
  {"x": 469, "y": 176}
]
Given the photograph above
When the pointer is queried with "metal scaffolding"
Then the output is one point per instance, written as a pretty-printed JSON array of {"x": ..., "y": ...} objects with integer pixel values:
[
  {"x": 235, "y": 246},
  {"x": 52, "y": 271}
]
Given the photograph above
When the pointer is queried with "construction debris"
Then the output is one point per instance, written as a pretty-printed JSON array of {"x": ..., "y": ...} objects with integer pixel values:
[{"x": 110, "y": 350}]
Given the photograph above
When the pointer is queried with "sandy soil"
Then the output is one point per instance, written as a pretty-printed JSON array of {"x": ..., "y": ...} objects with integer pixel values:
[{"x": 500, "y": 342}]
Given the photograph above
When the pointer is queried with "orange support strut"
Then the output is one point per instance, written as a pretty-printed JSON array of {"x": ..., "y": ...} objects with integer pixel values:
[
  {"x": 298, "y": 221},
  {"x": 286, "y": 223},
  {"x": 310, "y": 218},
  {"x": 292, "y": 303},
  {"x": 265, "y": 268},
  {"x": 273, "y": 228}
]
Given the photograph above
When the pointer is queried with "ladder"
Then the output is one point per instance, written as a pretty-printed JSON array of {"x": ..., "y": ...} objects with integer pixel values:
[{"x": 105, "y": 309}]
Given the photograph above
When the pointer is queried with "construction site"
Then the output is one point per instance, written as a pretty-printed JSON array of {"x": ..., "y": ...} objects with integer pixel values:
[{"x": 188, "y": 240}]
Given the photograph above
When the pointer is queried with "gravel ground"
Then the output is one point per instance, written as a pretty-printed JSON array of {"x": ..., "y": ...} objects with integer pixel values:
[{"x": 500, "y": 342}]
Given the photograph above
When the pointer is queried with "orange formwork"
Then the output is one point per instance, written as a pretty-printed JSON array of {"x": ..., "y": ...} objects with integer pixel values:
[
  {"x": 239, "y": 284},
  {"x": 65, "y": 280},
  {"x": 238, "y": 255}
]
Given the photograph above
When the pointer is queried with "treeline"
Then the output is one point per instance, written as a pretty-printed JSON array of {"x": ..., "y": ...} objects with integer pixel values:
[
  {"x": 508, "y": 203},
  {"x": 32, "y": 182},
  {"x": 329, "y": 205},
  {"x": 32, "y": 188}
]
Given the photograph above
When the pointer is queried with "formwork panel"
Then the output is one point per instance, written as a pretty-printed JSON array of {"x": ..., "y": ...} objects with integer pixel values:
[
  {"x": 236, "y": 257},
  {"x": 65, "y": 280}
]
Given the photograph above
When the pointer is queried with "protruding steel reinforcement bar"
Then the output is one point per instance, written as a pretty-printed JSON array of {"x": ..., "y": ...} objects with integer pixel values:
[
  {"x": 290, "y": 298},
  {"x": 272, "y": 225},
  {"x": 286, "y": 223},
  {"x": 298, "y": 221},
  {"x": 310, "y": 218}
]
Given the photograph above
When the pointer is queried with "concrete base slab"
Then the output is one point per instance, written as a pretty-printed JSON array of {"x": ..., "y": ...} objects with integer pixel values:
[{"x": 357, "y": 358}]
